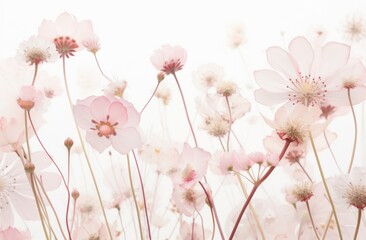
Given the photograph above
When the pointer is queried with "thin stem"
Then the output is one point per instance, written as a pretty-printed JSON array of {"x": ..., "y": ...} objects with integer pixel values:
[
  {"x": 327, "y": 227},
  {"x": 303, "y": 169},
  {"x": 59, "y": 170},
  {"x": 212, "y": 206},
  {"x": 100, "y": 69},
  {"x": 312, "y": 220},
  {"x": 254, "y": 189},
  {"x": 27, "y": 135},
  {"x": 38, "y": 205},
  {"x": 222, "y": 144},
  {"x": 355, "y": 125},
  {"x": 358, "y": 223},
  {"x": 243, "y": 189},
  {"x": 152, "y": 95},
  {"x": 143, "y": 194},
  {"x": 331, "y": 151},
  {"x": 231, "y": 121},
  {"x": 325, "y": 184},
  {"x": 213, "y": 224},
  {"x": 120, "y": 220},
  {"x": 134, "y": 196},
  {"x": 185, "y": 109},
  {"x": 35, "y": 73},
  {"x": 84, "y": 151}
]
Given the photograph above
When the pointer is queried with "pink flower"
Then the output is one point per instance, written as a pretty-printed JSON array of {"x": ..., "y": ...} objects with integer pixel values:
[
  {"x": 15, "y": 192},
  {"x": 303, "y": 76},
  {"x": 189, "y": 200},
  {"x": 66, "y": 33},
  {"x": 28, "y": 97},
  {"x": 169, "y": 59},
  {"x": 14, "y": 234},
  {"x": 108, "y": 121},
  {"x": 192, "y": 166}
]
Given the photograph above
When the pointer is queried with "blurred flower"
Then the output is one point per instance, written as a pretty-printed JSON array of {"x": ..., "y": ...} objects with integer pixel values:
[
  {"x": 236, "y": 35},
  {"x": 354, "y": 27},
  {"x": 163, "y": 93},
  {"x": 15, "y": 234},
  {"x": 28, "y": 97},
  {"x": 189, "y": 232},
  {"x": 207, "y": 75},
  {"x": 299, "y": 192},
  {"x": 36, "y": 50},
  {"x": 116, "y": 88},
  {"x": 189, "y": 200},
  {"x": 169, "y": 59},
  {"x": 91, "y": 43},
  {"x": 66, "y": 33},
  {"x": 108, "y": 121}
]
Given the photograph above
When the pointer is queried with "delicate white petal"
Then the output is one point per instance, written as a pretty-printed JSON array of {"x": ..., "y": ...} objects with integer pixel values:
[
  {"x": 126, "y": 140},
  {"x": 334, "y": 56},
  {"x": 302, "y": 51},
  {"x": 270, "y": 98},
  {"x": 282, "y": 61},
  {"x": 98, "y": 143},
  {"x": 270, "y": 80}
]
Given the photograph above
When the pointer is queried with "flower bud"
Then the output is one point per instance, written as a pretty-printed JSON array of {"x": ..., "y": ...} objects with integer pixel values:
[
  {"x": 68, "y": 143},
  {"x": 29, "y": 167},
  {"x": 75, "y": 194}
]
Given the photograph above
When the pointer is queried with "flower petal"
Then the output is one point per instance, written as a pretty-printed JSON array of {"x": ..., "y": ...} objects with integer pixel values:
[
  {"x": 302, "y": 51},
  {"x": 282, "y": 61},
  {"x": 270, "y": 98},
  {"x": 98, "y": 143},
  {"x": 99, "y": 108},
  {"x": 333, "y": 57},
  {"x": 117, "y": 113},
  {"x": 270, "y": 80},
  {"x": 126, "y": 140},
  {"x": 83, "y": 116}
]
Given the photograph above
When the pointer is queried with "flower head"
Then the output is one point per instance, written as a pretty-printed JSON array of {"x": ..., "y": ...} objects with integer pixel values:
[
  {"x": 300, "y": 192},
  {"x": 36, "y": 50},
  {"x": 169, "y": 59},
  {"x": 66, "y": 33},
  {"x": 207, "y": 75},
  {"x": 303, "y": 74},
  {"x": 108, "y": 121}
]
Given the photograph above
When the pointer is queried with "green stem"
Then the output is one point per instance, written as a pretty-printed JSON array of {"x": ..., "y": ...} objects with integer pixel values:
[{"x": 325, "y": 184}]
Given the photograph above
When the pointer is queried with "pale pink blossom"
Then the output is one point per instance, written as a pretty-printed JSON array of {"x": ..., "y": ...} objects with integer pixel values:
[
  {"x": 94, "y": 229},
  {"x": 108, "y": 121},
  {"x": 169, "y": 59},
  {"x": 195, "y": 232},
  {"x": 189, "y": 200},
  {"x": 227, "y": 162},
  {"x": 66, "y": 32},
  {"x": 191, "y": 168},
  {"x": 116, "y": 88},
  {"x": 28, "y": 97},
  {"x": 91, "y": 43},
  {"x": 302, "y": 76},
  {"x": 15, "y": 192},
  {"x": 207, "y": 75},
  {"x": 14, "y": 234}
]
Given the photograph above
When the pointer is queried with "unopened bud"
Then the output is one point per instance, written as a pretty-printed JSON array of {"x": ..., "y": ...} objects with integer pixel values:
[
  {"x": 24, "y": 104},
  {"x": 75, "y": 194},
  {"x": 29, "y": 167},
  {"x": 160, "y": 76},
  {"x": 68, "y": 143}
]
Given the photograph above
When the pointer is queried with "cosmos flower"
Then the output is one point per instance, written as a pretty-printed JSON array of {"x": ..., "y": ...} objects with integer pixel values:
[
  {"x": 169, "y": 59},
  {"x": 108, "y": 121}
]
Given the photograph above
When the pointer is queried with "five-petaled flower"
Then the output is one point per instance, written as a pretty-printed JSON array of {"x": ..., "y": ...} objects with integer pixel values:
[
  {"x": 108, "y": 121},
  {"x": 169, "y": 59}
]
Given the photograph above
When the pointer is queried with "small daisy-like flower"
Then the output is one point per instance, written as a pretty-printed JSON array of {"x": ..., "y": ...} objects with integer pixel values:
[
  {"x": 87, "y": 207},
  {"x": 226, "y": 88},
  {"x": 108, "y": 121},
  {"x": 216, "y": 125},
  {"x": 351, "y": 188},
  {"x": 300, "y": 192},
  {"x": 36, "y": 50},
  {"x": 354, "y": 28},
  {"x": 163, "y": 93},
  {"x": 91, "y": 43},
  {"x": 169, "y": 59},
  {"x": 208, "y": 75}
]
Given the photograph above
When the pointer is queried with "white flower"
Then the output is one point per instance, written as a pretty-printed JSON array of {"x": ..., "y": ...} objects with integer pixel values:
[
  {"x": 116, "y": 88},
  {"x": 208, "y": 75},
  {"x": 36, "y": 50}
]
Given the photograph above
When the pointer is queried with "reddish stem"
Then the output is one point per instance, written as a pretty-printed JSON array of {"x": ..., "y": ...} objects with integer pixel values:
[{"x": 254, "y": 189}]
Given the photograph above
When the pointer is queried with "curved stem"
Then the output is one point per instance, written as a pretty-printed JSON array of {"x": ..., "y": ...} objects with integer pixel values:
[
  {"x": 152, "y": 95},
  {"x": 251, "y": 207},
  {"x": 231, "y": 121},
  {"x": 35, "y": 73},
  {"x": 84, "y": 151},
  {"x": 185, "y": 109},
  {"x": 325, "y": 184},
  {"x": 134, "y": 196},
  {"x": 355, "y": 136},
  {"x": 312, "y": 220},
  {"x": 212, "y": 206},
  {"x": 100, "y": 69},
  {"x": 143, "y": 194},
  {"x": 254, "y": 189},
  {"x": 358, "y": 223}
]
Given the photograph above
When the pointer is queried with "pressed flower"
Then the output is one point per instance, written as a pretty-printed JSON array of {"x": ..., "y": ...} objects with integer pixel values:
[
  {"x": 303, "y": 75},
  {"x": 169, "y": 59},
  {"x": 108, "y": 121}
]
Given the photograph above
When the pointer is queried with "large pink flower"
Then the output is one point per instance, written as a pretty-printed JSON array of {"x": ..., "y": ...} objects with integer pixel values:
[
  {"x": 303, "y": 75},
  {"x": 108, "y": 121},
  {"x": 169, "y": 59},
  {"x": 66, "y": 32}
]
